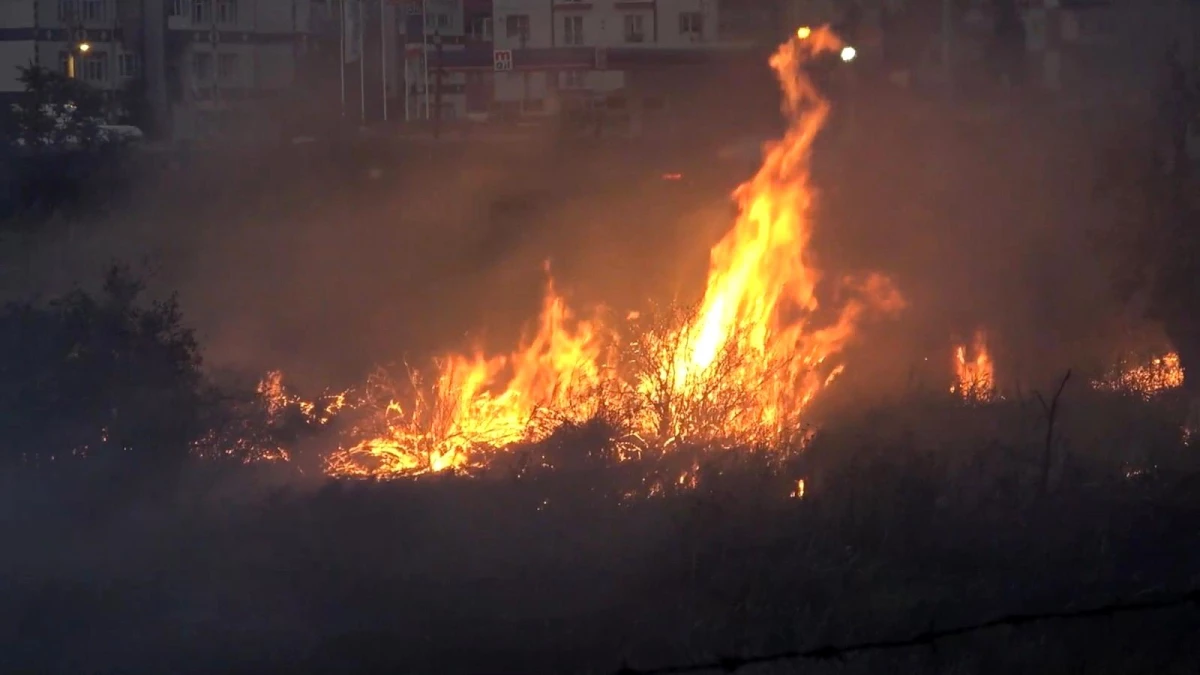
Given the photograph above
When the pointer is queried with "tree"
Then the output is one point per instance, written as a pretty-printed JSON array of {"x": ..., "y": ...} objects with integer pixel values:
[
  {"x": 99, "y": 375},
  {"x": 58, "y": 111},
  {"x": 63, "y": 159}
]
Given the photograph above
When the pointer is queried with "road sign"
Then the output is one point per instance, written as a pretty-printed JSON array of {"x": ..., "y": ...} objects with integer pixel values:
[
  {"x": 601, "y": 58},
  {"x": 502, "y": 60}
]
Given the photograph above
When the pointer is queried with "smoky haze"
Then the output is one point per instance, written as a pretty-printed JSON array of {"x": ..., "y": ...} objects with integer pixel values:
[
  {"x": 324, "y": 261},
  {"x": 327, "y": 259}
]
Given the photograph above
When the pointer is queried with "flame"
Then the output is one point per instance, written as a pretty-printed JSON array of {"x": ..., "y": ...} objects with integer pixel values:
[
  {"x": 754, "y": 331},
  {"x": 552, "y": 378},
  {"x": 739, "y": 370},
  {"x": 1147, "y": 379},
  {"x": 974, "y": 378}
]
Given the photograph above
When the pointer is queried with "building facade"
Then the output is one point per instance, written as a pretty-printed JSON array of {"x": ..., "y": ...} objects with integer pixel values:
[
  {"x": 45, "y": 33},
  {"x": 531, "y": 57},
  {"x": 227, "y": 58},
  {"x": 193, "y": 58}
]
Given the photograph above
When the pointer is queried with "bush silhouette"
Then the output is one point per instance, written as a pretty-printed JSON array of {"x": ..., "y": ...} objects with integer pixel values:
[{"x": 98, "y": 375}]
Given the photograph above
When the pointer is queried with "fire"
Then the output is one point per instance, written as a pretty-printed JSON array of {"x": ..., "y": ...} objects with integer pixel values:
[
  {"x": 554, "y": 377},
  {"x": 754, "y": 332},
  {"x": 974, "y": 378},
  {"x": 739, "y": 370},
  {"x": 1147, "y": 379}
]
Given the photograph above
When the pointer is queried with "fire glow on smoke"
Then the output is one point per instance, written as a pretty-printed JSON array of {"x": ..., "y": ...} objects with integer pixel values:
[
  {"x": 739, "y": 370},
  {"x": 731, "y": 372}
]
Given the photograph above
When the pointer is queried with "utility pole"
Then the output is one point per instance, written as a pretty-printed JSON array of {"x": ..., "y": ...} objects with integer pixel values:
[
  {"x": 948, "y": 44},
  {"x": 437, "y": 84}
]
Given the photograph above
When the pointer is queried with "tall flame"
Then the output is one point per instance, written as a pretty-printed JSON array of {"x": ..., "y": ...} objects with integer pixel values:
[
  {"x": 760, "y": 297},
  {"x": 740, "y": 370},
  {"x": 974, "y": 374}
]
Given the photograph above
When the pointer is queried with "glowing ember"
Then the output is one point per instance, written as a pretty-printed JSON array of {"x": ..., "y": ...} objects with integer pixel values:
[
  {"x": 1147, "y": 379},
  {"x": 739, "y": 370},
  {"x": 974, "y": 373}
]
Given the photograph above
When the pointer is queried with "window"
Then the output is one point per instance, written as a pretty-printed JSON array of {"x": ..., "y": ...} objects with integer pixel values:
[
  {"x": 227, "y": 11},
  {"x": 202, "y": 11},
  {"x": 63, "y": 59},
  {"x": 128, "y": 65},
  {"x": 79, "y": 11},
  {"x": 517, "y": 26},
  {"x": 635, "y": 28},
  {"x": 202, "y": 66},
  {"x": 227, "y": 66},
  {"x": 481, "y": 28},
  {"x": 691, "y": 24},
  {"x": 93, "y": 67},
  {"x": 573, "y": 79},
  {"x": 572, "y": 30},
  {"x": 91, "y": 11},
  {"x": 436, "y": 21},
  {"x": 180, "y": 7}
]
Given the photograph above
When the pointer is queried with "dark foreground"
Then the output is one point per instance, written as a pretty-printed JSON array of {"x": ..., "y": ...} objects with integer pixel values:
[{"x": 920, "y": 517}]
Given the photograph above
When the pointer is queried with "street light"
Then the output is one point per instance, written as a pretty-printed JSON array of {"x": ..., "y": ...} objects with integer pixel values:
[
  {"x": 848, "y": 53},
  {"x": 83, "y": 48},
  {"x": 803, "y": 32}
]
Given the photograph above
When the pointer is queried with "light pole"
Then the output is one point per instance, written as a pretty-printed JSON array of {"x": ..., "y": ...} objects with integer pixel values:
[{"x": 82, "y": 48}]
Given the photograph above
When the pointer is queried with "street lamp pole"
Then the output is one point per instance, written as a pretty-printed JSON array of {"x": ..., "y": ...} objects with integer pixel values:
[{"x": 948, "y": 43}]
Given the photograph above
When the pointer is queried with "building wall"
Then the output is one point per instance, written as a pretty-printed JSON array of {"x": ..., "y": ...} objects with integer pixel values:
[
  {"x": 12, "y": 55},
  {"x": 16, "y": 14}
]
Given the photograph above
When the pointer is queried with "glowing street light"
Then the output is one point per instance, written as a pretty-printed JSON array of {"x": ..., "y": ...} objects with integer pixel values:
[
  {"x": 848, "y": 53},
  {"x": 83, "y": 48},
  {"x": 803, "y": 32}
]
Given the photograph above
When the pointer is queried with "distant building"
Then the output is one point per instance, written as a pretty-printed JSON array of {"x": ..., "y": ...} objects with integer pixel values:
[
  {"x": 43, "y": 33},
  {"x": 530, "y": 57},
  {"x": 195, "y": 58}
]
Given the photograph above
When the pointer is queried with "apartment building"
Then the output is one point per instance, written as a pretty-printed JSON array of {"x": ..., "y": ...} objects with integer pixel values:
[
  {"x": 45, "y": 33},
  {"x": 528, "y": 56},
  {"x": 197, "y": 59},
  {"x": 226, "y": 57}
]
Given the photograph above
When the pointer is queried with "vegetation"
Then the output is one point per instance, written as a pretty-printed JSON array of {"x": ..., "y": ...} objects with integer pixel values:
[
  {"x": 1155, "y": 241},
  {"x": 927, "y": 513},
  {"x": 62, "y": 160}
]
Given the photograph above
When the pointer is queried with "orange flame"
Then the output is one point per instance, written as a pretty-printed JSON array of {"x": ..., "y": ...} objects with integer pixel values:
[
  {"x": 740, "y": 370},
  {"x": 761, "y": 292},
  {"x": 974, "y": 378},
  {"x": 1148, "y": 379},
  {"x": 552, "y": 378}
]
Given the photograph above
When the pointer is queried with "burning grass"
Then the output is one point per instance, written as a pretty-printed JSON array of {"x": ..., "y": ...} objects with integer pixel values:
[{"x": 738, "y": 369}]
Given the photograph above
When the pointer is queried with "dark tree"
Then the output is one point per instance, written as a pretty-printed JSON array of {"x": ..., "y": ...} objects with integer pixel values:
[
  {"x": 60, "y": 158},
  {"x": 57, "y": 111},
  {"x": 99, "y": 375}
]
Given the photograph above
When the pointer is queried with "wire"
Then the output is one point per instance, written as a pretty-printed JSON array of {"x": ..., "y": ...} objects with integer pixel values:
[{"x": 730, "y": 664}]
